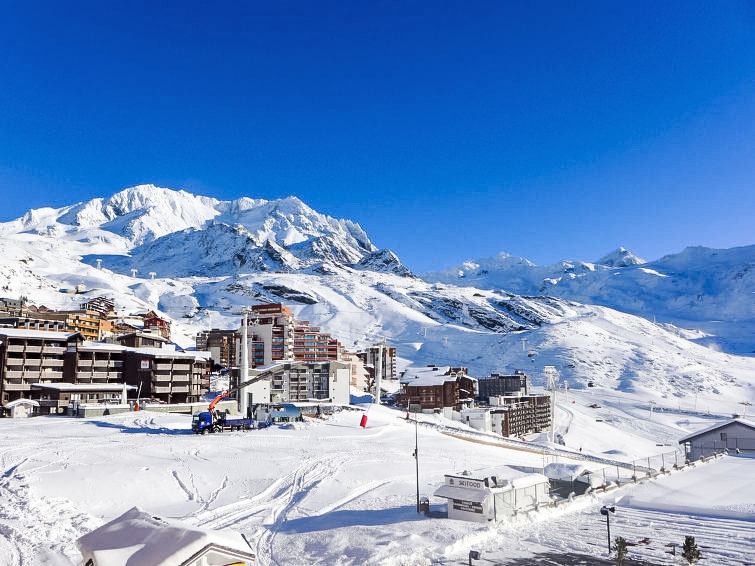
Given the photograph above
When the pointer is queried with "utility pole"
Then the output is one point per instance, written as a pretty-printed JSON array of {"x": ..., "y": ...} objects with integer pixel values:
[
  {"x": 378, "y": 371},
  {"x": 134, "y": 272},
  {"x": 552, "y": 374},
  {"x": 416, "y": 455},
  {"x": 99, "y": 263},
  {"x": 244, "y": 367}
]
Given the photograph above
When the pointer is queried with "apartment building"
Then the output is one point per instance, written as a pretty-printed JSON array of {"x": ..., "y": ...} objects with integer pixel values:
[
  {"x": 101, "y": 305},
  {"x": 141, "y": 340},
  {"x": 28, "y": 357},
  {"x": 360, "y": 375},
  {"x": 94, "y": 363},
  {"x": 291, "y": 381},
  {"x": 156, "y": 325},
  {"x": 29, "y": 322},
  {"x": 167, "y": 375},
  {"x": 498, "y": 384},
  {"x": 511, "y": 415},
  {"x": 388, "y": 363},
  {"x": 221, "y": 344},
  {"x": 85, "y": 322},
  {"x": 274, "y": 335},
  {"x": 11, "y": 306}
]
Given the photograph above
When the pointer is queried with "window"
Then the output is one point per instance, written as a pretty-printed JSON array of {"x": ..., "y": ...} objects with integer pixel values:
[{"x": 723, "y": 436}]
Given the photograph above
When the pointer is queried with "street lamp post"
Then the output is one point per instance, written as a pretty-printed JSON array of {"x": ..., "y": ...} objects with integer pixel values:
[
  {"x": 416, "y": 456},
  {"x": 605, "y": 511}
]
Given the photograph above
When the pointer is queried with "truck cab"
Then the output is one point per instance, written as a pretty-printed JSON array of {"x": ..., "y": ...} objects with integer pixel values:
[{"x": 201, "y": 423}]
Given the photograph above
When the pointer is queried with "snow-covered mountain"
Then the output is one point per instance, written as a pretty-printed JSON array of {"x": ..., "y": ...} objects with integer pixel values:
[
  {"x": 708, "y": 289},
  {"x": 210, "y": 257}
]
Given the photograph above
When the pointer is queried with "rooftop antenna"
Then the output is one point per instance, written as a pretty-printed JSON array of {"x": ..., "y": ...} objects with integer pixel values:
[
  {"x": 134, "y": 272},
  {"x": 152, "y": 274},
  {"x": 99, "y": 263},
  {"x": 551, "y": 373}
]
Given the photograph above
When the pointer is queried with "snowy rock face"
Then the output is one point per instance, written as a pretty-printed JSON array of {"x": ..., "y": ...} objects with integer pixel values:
[
  {"x": 176, "y": 233},
  {"x": 620, "y": 257},
  {"x": 712, "y": 289}
]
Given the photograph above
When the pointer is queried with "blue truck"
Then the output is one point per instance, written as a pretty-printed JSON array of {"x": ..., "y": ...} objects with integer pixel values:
[{"x": 212, "y": 421}]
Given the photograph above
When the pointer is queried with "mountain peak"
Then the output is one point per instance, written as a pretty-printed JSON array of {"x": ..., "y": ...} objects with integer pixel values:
[{"x": 620, "y": 257}]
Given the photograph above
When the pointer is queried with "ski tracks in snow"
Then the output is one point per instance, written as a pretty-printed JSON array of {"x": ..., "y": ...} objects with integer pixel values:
[{"x": 30, "y": 527}]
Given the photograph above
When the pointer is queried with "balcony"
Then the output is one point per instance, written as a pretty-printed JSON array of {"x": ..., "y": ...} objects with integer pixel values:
[
  {"x": 33, "y": 361},
  {"x": 52, "y": 363},
  {"x": 13, "y": 374},
  {"x": 163, "y": 377},
  {"x": 15, "y": 387},
  {"x": 45, "y": 375},
  {"x": 161, "y": 389},
  {"x": 15, "y": 348},
  {"x": 53, "y": 350},
  {"x": 163, "y": 366},
  {"x": 85, "y": 363},
  {"x": 14, "y": 361},
  {"x": 180, "y": 389},
  {"x": 34, "y": 349}
]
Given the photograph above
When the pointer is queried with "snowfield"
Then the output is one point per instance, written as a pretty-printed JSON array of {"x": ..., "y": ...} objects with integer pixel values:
[{"x": 329, "y": 492}]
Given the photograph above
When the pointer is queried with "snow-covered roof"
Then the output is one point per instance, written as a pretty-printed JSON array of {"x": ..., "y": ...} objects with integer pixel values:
[
  {"x": 148, "y": 335},
  {"x": 561, "y": 471},
  {"x": 136, "y": 537},
  {"x": 462, "y": 493},
  {"x": 716, "y": 426},
  {"x": 162, "y": 352},
  {"x": 104, "y": 346},
  {"x": 24, "y": 333},
  {"x": 82, "y": 386},
  {"x": 24, "y": 401},
  {"x": 426, "y": 376},
  {"x": 528, "y": 480}
]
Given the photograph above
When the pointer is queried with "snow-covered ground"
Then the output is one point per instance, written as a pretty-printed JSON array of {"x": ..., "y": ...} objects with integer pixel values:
[{"x": 330, "y": 492}]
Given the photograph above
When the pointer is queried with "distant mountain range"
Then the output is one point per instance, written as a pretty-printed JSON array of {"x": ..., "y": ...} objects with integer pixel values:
[
  {"x": 699, "y": 287},
  {"x": 210, "y": 257}
]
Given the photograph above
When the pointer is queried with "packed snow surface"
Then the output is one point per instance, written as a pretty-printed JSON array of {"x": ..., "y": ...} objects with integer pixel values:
[{"x": 330, "y": 492}]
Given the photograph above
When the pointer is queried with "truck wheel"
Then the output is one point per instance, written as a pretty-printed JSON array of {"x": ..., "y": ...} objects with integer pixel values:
[
  {"x": 218, "y": 429},
  {"x": 204, "y": 431}
]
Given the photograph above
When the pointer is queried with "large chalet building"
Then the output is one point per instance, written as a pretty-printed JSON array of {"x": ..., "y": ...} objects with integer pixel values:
[{"x": 435, "y": 387}]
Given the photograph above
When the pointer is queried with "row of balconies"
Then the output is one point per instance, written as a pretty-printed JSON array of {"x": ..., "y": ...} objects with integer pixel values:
[
  {"x": 100, "y": 363},
  {"x": 175, "y": 366},
  {"x": 168, "y": 389}
]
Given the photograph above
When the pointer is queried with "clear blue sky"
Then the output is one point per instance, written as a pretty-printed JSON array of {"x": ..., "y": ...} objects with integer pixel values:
[{"x": 449, "y": 130}]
